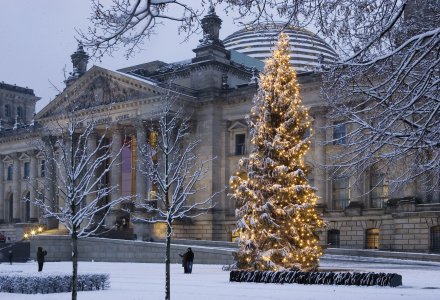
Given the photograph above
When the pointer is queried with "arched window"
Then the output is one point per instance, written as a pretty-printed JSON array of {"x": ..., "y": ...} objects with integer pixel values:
[
  {"x": 372, "y": 238},
  {"x": 435, "y": 238},
  {"x": 333, "y": 238}
]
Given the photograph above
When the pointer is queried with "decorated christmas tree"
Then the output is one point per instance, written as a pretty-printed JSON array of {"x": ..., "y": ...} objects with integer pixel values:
[{"x": 277, "y": 220}]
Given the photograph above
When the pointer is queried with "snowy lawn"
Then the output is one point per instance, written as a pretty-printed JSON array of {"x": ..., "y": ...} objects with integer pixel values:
[{"x": 130, "y": 281}]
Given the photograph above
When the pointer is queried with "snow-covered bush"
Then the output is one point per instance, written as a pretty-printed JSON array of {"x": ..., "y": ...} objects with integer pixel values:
[
  {"x": 45, "y": 284},
  {"x": 340, "y": 278}
]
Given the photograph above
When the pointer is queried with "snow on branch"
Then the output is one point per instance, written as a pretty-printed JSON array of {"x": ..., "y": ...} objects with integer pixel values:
[
  {"x": 128, "y": 23},
  {"x": 174, "y": 169},
  {"x": 78, "y": 158}
]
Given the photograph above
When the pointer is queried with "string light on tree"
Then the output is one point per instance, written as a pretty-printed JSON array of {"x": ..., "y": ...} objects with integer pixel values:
[{"x": 277, "y": 217}]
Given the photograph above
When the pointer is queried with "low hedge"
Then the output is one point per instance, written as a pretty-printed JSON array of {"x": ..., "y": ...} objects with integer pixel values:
[
  {"x": 46, "y": 284},
  {"x": 340, "y": 278}
]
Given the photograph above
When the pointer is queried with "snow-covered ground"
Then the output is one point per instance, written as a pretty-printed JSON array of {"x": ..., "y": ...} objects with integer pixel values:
[{"x": 135, "y": 281}]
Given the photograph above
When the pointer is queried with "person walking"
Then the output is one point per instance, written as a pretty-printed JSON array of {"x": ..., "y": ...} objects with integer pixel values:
[
  {"x": 40, "y": 258},
  {"x": 11, "y": 256},
  {"x": 184, "y": 257}
]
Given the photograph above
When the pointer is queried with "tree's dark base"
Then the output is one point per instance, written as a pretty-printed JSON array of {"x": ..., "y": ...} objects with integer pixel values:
[{"x": 340, "y": 278}]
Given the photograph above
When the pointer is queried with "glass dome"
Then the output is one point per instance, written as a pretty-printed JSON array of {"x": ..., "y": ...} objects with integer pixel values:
[{"x": 308, "y": 50}]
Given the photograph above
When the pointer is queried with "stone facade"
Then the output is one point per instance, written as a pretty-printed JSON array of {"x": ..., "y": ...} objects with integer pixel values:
[{"x": 219, "y": 92}]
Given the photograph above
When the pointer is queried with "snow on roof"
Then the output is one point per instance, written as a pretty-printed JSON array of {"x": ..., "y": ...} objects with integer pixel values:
[{"x": 139, "y": 78}]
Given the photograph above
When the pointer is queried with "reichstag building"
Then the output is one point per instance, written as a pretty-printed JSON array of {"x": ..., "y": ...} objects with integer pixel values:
[{"x": 218, "y": 84}]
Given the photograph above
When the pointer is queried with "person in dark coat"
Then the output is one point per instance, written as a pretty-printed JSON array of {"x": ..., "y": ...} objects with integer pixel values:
[
  {"x": 184, "y": 262},
  {"x": 40, "y": 258},
  {"x": 11, "y": 256},
  {"x": 187, "y": 261},
  {"x": 190, "y": 259}
]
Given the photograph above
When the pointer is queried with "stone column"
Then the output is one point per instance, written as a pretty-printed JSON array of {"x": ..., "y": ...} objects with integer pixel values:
[
  {"x": 16, "y": 184},
  {"x": 33, "y": 179},
  {"x": 116, "y": 172},
  {"x": 51, "y": 181},
  {"x": 2, "y": 190},
  {"x": 141, "y": 179},
  {"x": 91, "y": 148},
  {"x": 320, "y": 159}
]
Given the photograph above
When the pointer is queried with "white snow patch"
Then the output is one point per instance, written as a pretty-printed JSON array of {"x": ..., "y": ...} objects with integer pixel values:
[{"x": 135, "y": 281}]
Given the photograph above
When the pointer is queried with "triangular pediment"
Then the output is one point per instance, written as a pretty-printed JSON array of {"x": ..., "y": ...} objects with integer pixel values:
[
  {"x": 99, "y": 87},
  {"x": 237, "y": 125},
  {"x": 7, "y": 159},
  {"x": 24, "y": 156},
  {"x": 40, "y": 155}
]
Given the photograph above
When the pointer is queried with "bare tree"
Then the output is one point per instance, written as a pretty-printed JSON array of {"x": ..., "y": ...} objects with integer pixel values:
[
  {"x": 128, "y": 23},
  {"x": 175, "y": 172},
  {"x": 74, "y": 191}
]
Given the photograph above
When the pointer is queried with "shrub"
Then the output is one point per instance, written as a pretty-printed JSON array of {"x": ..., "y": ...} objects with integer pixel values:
[{"x": 46, "y": 284}]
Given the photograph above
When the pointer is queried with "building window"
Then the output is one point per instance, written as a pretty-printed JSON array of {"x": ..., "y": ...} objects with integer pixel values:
[
  {"x": 372, "y": 238},
  {"x": 28, "y": 207},
  {"x": 310, "y": 178},
  {"x": 20, "y": 112},
  {"x": 307, "y": 132},
  {"x": 43, "y": 168},
  {"x": 7, "y": 110},
  {"x": 26, "y": 169},
  {"x": 435, "y": 238},
  {"x": 339, "y": 133},
  {"x": 378, "y": 190},
  {"x": 9, "y": 172},
  {"x": 333, "y": 238},
  {"x": 341, "y": 193},
  {"x": 240, "y": 142}
]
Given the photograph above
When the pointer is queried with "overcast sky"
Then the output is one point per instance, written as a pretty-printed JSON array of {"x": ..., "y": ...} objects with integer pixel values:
[{"x": 37, "y": 39}]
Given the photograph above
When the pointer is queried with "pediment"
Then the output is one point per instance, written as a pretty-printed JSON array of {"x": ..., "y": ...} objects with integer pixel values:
[
  {"x": 8, "y": 159},
  {"x": 237, "y": 125},
  {"x": 40, "y": 155},
  {"x": 99, "y": 87},
  {"x": 24, "y": 156}
]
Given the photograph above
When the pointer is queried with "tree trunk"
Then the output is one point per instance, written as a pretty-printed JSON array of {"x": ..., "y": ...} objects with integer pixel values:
[
  {"x": 167, "y": 263},
  {"x": 75, "y": 265}
]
